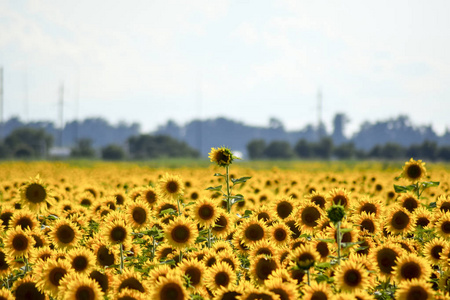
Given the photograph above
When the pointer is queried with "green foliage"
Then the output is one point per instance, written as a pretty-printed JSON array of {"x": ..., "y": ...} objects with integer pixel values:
[
  {"x": 113, "y": 152},
  {"x": 27, "y": 143},
  {"x": 83, "y": 149},
  {"x": 146, "y": 146},
  {"x": 255, "y": 149},
  {"x": 279, "y": 150}
]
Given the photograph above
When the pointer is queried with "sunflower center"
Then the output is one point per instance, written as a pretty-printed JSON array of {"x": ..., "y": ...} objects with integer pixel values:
[
  {"x": 221, "y": 224},
  {"x": 150, "y": 196},
  {"x": 318, "y": 200},
  {"x": 194, "y": 274},
  {"x": 322, "y": 248},
  {"x": 386, "y": 260},
  {"x": 352, "y": 278},
  {"x": 410, "y": 270},
  {"x": 132, "y": 283},
  {"x": 400, "y": 220},
  {"x": 20, "y": 242},
  {"x": 102, "y": 280},
  {"x": 319, "y": 295},
  {"x": 24, "y": 223},
  {"x": 310, "y": 215},
  {"x": 86, "y": 202},
  {"x": 265, "y": 267},
  {"x": 206, "y": 212},
  {"x": 56, "y": 274},
  {"x": 38, "y": 242},
  {"x": 306, "y": 260},
  {"x": 35, "y": 193},
  {"x": 339, "y": 199},
  {"x": 417, "y": 293},
  {"x": 263, "y": 216},
  {"x": 445, "y": 207},
  {"x": 254, "y": 232},
  {"x": 104, "y": 256},
  {"x": 436, "y": 251},
  {"x": 3, "y": 263},
  {"x": 118, "y": 234},
  {"x": 280, "y": 234},
  {"x": 180, "y": 234},
  {"x": 410, "y": 204},
  {"x": 139, "y": 215},
  {"x": 5, "y": 217},
  {"x": 194, "y": 196},
  {"x": 85, "y": 293},
  {"x": 222, "y": 157},
  {"x": 171, "y": 291},
  {"x": 28, "y": 290},
  {"x": 369, "y": 208},
  {"x": 368, "y": 225},
  {"x": 222, "y": 279},
  {"x": 414, "y": 171},
  {"x": 65, "y": 234},
  {"x": 172, "y": 187},
  {"x": 423, "y": 221},
  {"x": 284, "y": 209},
  {"x": 120, "y": 199},
  {"x": 79, "y": 263},
  {"x": 445, "y": 227}
]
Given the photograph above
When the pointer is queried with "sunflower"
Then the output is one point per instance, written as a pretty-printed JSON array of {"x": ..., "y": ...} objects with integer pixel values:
[
  {"x": 318, "y": 291},
  {"x": 414, "y": 290},
  {"x": 338, "y": 196},
  {"x": 230, "y": 258},
  {"x": 6, "y": 294},
  {"x": 318, "y": 198},
  {"x": 150, "y": 195},
  {"x": 411, "y": 266},
  {"x": 444, "y": 282},
  {"x": 195, "y": 270},
  {"x": 322, "y": 248},
  {"x": 170, "y": 287},
  {"x": 105, "y": 254},
  {"x": 52, "y": 273},
  {"x": 40, "y": 254},
  {"x": 263, "y": 213},
  {"x": 305, "y": 256},
  {"x": 6, "y": 215},
  {"x": 261, "y": 267},
  {"x": 443, "y": 203},
  {"x": 264, "y": 247},
  {"x": 129, "y": 279},
  {"x": 223, "y": 224},
  {"x": 220, "y": 246},
  {"x": 4, "y": 266},
  {"x": 117, "y": 232},
  {"x": 86, "y": 199},
  {"x": 308, "y": 215},
  {"x": 285, "y": 290},
  {"x": 367, "y": 223},
  {"x": 250, "y": 292},
  {"x": 127, "y": 294},
  {"x": 385, "y": 257},
  {"x": 280, "y": 234},
  {"x": 157, "y": 272},
  {"x": 25, "y": 219},
  {"x": 423, "y": 217},
  {"x": 181, "y": 233},
  {"x": 219, "y": 275},
  {"x": 77, "y": 286},
  {"x": 433, "y": 250},
  {"x": 206, "y": 212},
  {"x": 224, "y": 293},
  {"x": 64, "y": 234},
  {"x": 443, "y": 225},
  {"x": 35, "y": 195},
  {"x": 39, "y": 237},
  {"x": 102, "y": 278},
  {"x": 399, "y": 220},
  {"x": 409, "y": 201},
  {"x": 26, "y": 288},
  {"x": 138, "y": 214},
  {"x": 18, "y": 242},
  {"x": 283, "y": 207},
  {"x": 351, "y": 276},
  {"x": 170, "y": 186},
  {"x": 369, "y": 205},
  {"x": 221, "y": 156},
  {"x": 82, "y": 260},
  {"x": 252, "y": 231},
  {"x": 414, "y": 170}
]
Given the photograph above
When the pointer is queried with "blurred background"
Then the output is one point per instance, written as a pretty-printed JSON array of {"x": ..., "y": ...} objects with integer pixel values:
[{"x": 269, "y": 79}]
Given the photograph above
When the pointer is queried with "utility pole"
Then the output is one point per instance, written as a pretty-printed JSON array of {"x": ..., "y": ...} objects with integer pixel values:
[
  {"x": 319, "y": 113},
  {"x": 1, "y": 103},
  {"x": 61, "y": 113}
]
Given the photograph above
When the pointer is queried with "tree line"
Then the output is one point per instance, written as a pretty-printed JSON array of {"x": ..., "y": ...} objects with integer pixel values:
[{"x": 325, "y": 149}]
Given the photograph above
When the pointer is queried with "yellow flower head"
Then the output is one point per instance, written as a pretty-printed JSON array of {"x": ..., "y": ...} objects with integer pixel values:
[
  {"x": 171, "y": 186},
  {"x": 221, "y": 156},
  {"x": 414, "y": 170}
]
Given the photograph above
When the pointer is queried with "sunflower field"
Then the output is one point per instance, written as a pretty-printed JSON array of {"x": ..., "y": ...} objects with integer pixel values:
[{"x": 227, "y": 231}]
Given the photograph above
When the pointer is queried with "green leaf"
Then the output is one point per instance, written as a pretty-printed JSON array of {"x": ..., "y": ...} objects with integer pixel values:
[
  {"x": 169, "y": 211},
  {"x": 345, "y": 230},
  {"x": 428, "y": 184},
  {"x": 404, "y": 189},
  {"x": 218, "y": 174},
  {"x": 321, "y": 278},
  {"x": 327, "y": 240},
  {"x": 215, "y": 188},
  {"x": 240, "y": 180},
  {"x": 432, "y": 205},
  {"x": 323, "y": 265}
]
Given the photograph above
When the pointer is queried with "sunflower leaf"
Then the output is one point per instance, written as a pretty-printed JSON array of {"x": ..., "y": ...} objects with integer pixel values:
[
  {"x": 345, "y": 230},
  {"x": 428, "y": 184},
  {"x": 214, "y": 188},
  {"x": 327, "y": 240},
  {"x": 240, "y": 180},
  {"x": 323, "y": 265},
  {"x": 404, "y": 189},
  {"x": 218, "y": 174}
]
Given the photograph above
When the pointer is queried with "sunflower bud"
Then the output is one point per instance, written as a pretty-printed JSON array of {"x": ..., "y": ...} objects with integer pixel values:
[{"x": 336, "y": 213}]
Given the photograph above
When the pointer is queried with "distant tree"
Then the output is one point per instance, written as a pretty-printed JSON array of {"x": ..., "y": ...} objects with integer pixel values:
[
  {"x": 324, "y": 148},
  {"x": 5, "y": 152},
  {"x": 148, "y": 146},
  {"x": 255, "y": 149},
  {"x": 113, "y": 152},
  {"x": 29, "y": 142},
  {"x": 444, "y": 153},
  {"x": 392, "y": 151},
  {"x": 339, "y": 123},
  {"x": 83, "y": 149},
  {"x": 345, "y": 151},
  {"x": 303, "y": 149},
  {"x": 279, "y": 150}
]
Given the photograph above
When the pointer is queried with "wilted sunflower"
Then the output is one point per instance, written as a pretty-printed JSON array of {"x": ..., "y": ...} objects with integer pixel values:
[
  {"x": 18, "y": 242},
  {"x": 79, "y": 286},
  {"x": 181, "y": 232},
  {"x": 64, "y": 234},
  {"x": 308, "y": 215},
  {"x": 414, "y": 170},
  {"x": 351, "y": 276},
  {"x": 399, "y": 220},
  {"x": 81, "y": 259},
  {"x": 35, "y": 194},
  {"x": 221, "y": 156},
  {"x": 414, "y": 290},
  {"x": 170, "y": 186},
  {"x": 206, "y": 212},
  {"x": 25, "y": 288},
  {"x": 52, "y": 273},
  {"x": 170, "y": 287},
  {"x": 318, "y": 291},
  {"x": 410, "y": 266},
  {"x": 219, "y": 275}
]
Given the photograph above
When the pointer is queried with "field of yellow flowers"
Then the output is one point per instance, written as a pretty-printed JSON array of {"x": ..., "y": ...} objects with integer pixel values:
[{"x": 123, "y": 231}]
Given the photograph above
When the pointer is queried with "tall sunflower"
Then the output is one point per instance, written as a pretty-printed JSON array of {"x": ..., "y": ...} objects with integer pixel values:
[
  {"x": 181, "y": 233},
  {"x": 414, "y": 170},
  {"x": 222, "y": 156},
  {"x": 170, "y": 186}
]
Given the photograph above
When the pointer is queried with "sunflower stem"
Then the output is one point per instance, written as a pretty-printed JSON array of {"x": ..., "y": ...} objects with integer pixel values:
[
  {"x": 153, "y": 248},
  {"x": 181, "y": 256},
  {"x": 338, "y": 237},
  {"x": 209, "y": 236},
  {"x": 307, "y": 274},
  {"x": 227, "y": 179},
  {"x": 179, "y": 207},
  {"x": 26, "y": 264},
  {"x": 121, "y": 258}
]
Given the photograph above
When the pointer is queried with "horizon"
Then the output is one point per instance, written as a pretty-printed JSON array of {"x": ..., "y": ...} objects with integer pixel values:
[{"x": 151, "y": 62}]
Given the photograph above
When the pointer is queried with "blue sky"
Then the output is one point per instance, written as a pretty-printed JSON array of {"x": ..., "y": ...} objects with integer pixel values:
[{"x": 149, "y": 61}]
